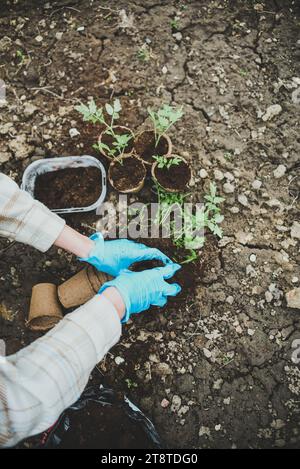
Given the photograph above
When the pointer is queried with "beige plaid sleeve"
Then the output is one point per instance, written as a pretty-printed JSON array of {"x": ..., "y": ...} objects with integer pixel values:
[
  {"x": 40, "y": 381},
  {"x": 24, "y": 219}
]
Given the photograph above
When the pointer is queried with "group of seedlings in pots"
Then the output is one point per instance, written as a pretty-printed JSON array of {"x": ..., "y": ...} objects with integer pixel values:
[{"x": 130, "y": 156}]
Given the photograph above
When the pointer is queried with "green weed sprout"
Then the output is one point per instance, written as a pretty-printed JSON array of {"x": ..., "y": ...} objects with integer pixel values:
[{"x": 144, "y": 53}]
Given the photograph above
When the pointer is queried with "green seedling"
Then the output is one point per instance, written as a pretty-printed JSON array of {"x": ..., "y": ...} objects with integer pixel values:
[
  {"x": 175, "y": 24},
  {"x": 228, "y": 155},
  {"x": 91, "y": 113},
  {"x": 187, "y": 237},
  {"x": 243, "y": 72},
  {"x": 21, "y": 56},
  {"x": 144, "y": 53},
  {"x": 165, "y": 162},
  {"x": 119, "y": 145},
  {"x": 130, "y": 384},
  {"x": 191, "y": 257},
  {"x": 164, "y": 119}
]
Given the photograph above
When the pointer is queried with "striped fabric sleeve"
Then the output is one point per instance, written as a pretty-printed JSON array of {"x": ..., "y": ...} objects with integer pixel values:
[
  {"x": 24, "y": 219},
  {"x": 40, "y": 381}
]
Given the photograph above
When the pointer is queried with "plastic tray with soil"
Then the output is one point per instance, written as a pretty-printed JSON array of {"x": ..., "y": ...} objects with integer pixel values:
[
  {"x": 145, "y": 146},
  {"x": 69, "y": 187},
  {"x": 127, "y": 174},
  {"x": 173, "y": 178}
]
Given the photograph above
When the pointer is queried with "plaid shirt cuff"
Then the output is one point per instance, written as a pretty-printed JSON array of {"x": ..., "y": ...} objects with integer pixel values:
[{"x": 40, "y": 228}]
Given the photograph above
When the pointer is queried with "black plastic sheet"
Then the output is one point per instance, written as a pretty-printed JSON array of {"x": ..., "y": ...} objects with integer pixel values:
[{"x": 104, "y": 396}]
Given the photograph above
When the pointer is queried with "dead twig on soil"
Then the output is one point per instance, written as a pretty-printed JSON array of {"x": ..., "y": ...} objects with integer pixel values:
[
  {"x": 109, "y": 9},
  {"x": 7, "y": 247},
  {"x": 46, "y": 90},
  {"x": 64, "y": 8}
]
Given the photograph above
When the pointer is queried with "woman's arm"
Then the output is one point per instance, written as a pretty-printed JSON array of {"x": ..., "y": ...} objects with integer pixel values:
[
  {"x": 24, "y": 219},
  {"x": 74, "y": 242},
  {"x": 40, "y": 381}
]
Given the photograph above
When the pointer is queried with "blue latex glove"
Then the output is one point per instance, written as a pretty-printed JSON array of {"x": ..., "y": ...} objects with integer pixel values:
[
  {"x": 112, "y": 257},
  {"x": 140, "y": 290}
]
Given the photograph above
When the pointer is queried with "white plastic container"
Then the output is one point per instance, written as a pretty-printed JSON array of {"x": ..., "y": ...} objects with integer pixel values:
[{"x": 49, "y": 165}]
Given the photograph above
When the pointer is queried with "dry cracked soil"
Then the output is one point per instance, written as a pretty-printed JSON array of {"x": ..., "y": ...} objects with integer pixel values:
[{"x": 219, "y": 369}]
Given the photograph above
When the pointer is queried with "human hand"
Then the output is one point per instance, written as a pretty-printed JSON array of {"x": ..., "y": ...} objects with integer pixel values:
[
  {"x": 112, "y": 257},
  {"x": 140, "y": 290}
]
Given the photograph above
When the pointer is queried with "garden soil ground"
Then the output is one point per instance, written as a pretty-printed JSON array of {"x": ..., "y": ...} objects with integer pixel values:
[{"x": 213, "y": 369}]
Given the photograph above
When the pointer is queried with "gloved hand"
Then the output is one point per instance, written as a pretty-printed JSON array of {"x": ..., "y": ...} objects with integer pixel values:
[
  {"x": 112, "y": 257},
  {"x": 140, "y": 290}
]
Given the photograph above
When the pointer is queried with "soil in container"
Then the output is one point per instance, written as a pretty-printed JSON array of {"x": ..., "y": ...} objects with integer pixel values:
[
  {"x": 145, "y": 146},
  {"x": 70, "y": 187},
  {"x": 175, "y": 178},
  {"x": 109, "y": 139},
  {"x": 128, "y": 174},
  {"x": 97, "y": 427}
]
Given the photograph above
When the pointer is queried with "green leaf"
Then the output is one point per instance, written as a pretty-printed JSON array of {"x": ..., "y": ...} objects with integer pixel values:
[
  {"x": 117, "y": 106},
  {"x": 219, "y": 218},
  {"x": 218, "y": 231},
  {"x": 103, "y": 146},
  {"x": 109, "y": 109}
]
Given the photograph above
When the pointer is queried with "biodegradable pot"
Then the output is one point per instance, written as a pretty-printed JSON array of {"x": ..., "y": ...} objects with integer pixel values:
[
  {"x": 174, "y": 179},
  {"x": 127, "y": 174},
  {"x": 45, "y": 310},
  {"x": 107, "y": 139},
  {"x": 145, "y": 146},
  {"x": 76, "y": 291},
  {"x": 96, "y": 278},
  {"x": 82, "y": 287}
]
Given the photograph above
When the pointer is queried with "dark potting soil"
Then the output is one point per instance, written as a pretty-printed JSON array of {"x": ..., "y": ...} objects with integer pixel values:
[
  {"x": 190, "y": 274},
  {"x": 98, "y": 427},
  {"x": 185, "y": 277},
  {"x": 145, "y": 146},
  {"x": 127, "y": 175},
  {"x": 70, "y": 187},
  {"x": 176, "y": 177},
  {"x": 108, "y": 139}
]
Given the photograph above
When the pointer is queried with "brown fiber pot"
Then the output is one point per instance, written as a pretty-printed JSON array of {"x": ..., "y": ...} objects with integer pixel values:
[
  {"x": 82, "y": 287},
  {"x": 128, "y": 131},
  {"x": 169, "y": 189},
  {"x": 45, "y": 310},
  {"x": 165, "y": 136},
  {"x": 96, "y": 278},
  {"x": 138, "y": 186}
]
